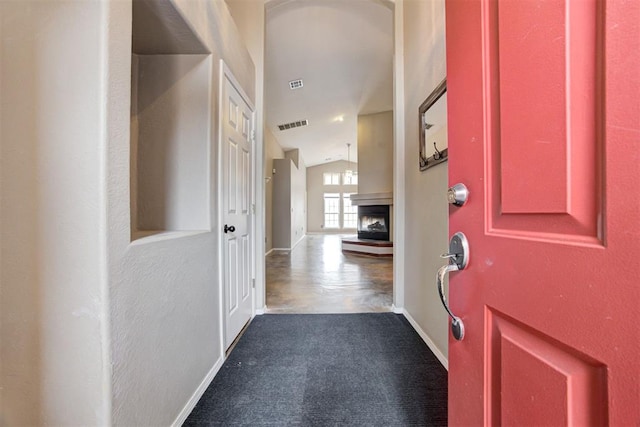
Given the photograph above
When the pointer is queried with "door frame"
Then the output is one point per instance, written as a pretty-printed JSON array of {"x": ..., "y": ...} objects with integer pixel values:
[
  {"x": 398, "y": 162},
  {"x": 225, "y": 72}
]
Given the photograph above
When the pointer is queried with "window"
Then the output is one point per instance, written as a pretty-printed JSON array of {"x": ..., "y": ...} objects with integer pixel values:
[
  {"x": 349, "y": 212},
  {"x": 350, "y": 179},
  {"x": 331, "y": 210},
  {"x": 331, "y": 178}
]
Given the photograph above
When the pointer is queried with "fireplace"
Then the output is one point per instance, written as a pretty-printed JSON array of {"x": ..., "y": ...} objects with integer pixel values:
[{"x": 373, "y": 222}]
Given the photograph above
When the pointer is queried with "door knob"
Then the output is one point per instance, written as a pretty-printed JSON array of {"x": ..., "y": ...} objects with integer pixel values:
[
  {"x": 229, "y": 228},
  {"x": 458, "y": 195},
  {"x": 458, "y": 257}
]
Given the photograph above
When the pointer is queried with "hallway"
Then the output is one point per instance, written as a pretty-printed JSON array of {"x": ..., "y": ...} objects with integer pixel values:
[{"x": 317, "y": 277}]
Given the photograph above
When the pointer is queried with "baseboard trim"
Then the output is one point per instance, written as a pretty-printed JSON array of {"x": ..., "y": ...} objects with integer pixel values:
[
  {"x": 269, "y": 251},
  {"x": 182, "y": 416},
  {"x": 261, "y": 311},
  {"x": 432, "y": 346},
  {"x": 397, "y": 310},
  {"x": 299, "y": 240},
  {"x": 346, "y": 232}
]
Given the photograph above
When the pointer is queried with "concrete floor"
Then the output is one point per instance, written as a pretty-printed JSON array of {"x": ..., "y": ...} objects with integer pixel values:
[{"x": 316, "y": 277}]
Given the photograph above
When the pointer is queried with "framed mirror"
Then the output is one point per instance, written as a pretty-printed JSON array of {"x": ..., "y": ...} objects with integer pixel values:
[{"x": 432, "y": 116}]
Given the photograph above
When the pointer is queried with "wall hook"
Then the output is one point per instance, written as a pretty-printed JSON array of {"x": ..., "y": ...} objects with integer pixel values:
[{"x": 438, "y": 154}]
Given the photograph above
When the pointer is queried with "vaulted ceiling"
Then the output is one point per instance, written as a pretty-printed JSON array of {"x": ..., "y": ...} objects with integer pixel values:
[{"x": 342, "y": 50}]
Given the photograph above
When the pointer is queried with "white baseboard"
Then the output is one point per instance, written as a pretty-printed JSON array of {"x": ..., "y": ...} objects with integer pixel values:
[
  {"x": 182, "y": 416},
  {"x": 432, "y": 346},
  {"x": 269, "y": 251},
  {"x": 288, "y": 249},
  {"x": 261, "y": 311},
  {"x": 397, "y": 310},
  {"x": 337, "y": 231},
  {"x": 300, "y": 240}
]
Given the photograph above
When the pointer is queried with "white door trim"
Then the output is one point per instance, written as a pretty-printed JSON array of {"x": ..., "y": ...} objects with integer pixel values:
[
  {"x": 398, "y": 159},
  {"x": 225, "y": 72}
]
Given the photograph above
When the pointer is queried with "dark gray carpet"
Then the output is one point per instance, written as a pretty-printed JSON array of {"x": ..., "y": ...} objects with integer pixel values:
[{"x": 327, "y": 370}]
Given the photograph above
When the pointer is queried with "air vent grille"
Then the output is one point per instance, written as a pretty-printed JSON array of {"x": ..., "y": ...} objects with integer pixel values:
[
  {"x": 295, "y": 84},
  {"x": 292, "y": 125}
]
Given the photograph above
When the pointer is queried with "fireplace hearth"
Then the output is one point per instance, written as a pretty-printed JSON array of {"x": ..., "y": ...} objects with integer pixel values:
[{"x": 373, "y": 222}]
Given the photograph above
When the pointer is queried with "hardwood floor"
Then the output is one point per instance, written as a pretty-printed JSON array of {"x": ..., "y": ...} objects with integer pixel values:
[{"x": 316, "y": 277}]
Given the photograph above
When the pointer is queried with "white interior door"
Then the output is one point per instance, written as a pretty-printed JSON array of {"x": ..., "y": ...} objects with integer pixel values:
[{"x": 237, "y": 136}]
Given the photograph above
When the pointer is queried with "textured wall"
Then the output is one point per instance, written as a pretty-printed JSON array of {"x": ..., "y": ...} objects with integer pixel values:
[
  {"x": 165, "y": 315},
  {"x": 289, "y": 205},
  {"x": 282, "y": 203},
  {"x": 298, "y": 201},
  {"x": 375, "y": 153},
  {"x": 173, "y": 118},
  {"x": 298, "y": 196},
  {"x": 54, "y": 366},
  {"x": 426, "y": 210},
  {"x": 272, "y": 151}
]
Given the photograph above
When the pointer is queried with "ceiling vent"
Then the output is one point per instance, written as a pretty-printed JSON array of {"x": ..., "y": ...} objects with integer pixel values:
[
  {"x": 292, "y": 125},
  {"x": 295, "y": 84}
]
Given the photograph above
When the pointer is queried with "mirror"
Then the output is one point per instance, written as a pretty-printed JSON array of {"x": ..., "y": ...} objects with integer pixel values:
[{"x": 433, "y": 128}]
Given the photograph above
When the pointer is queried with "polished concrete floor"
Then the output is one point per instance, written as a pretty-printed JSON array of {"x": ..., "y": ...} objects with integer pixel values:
[{"x": 316, "y": 277}]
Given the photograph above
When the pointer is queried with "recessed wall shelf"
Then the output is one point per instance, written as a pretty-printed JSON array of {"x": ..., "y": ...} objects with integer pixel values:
[{"x": 170, "y": 124}]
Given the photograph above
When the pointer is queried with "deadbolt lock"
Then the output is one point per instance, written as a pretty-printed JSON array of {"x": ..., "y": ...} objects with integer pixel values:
[{"x": 458, "y": 195}]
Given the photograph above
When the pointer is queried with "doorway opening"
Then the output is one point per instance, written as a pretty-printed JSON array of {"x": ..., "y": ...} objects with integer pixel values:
[{"x": 329, "y": 65}]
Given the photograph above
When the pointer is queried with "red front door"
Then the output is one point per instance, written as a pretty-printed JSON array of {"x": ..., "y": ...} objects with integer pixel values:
[{"x": 544, "y": 130}]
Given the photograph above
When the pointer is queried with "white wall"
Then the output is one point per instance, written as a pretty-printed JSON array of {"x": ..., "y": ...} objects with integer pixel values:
[
  {"x": 165, "y": 307},
  {"x": 426, "y": 209},
  {"x": 170, "y": 142},
  {"x": 54, "y": 346},
  {"x": 282, "y": 203},
  {"x": 298, "y": 196},
  {"x": 272, "y": 151},
  {"x": 316, "y": 190},
  {"x": 65, "y": 220},
  {"x": 289, "y": 204},
  {"x": 375, "y": 153}
]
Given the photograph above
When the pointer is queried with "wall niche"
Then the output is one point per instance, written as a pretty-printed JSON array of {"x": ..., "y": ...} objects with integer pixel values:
[{"x": 170, "y": 123}]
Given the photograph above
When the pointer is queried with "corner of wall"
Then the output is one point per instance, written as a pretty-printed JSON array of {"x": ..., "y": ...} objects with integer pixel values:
[{"x": 424, "y": 192}]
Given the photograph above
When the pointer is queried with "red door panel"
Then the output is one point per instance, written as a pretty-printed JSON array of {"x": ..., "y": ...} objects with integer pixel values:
[{"x": 544, "y": 129}]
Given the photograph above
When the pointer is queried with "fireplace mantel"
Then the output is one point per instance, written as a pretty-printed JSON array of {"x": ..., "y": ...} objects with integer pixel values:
[{"x": 372, "y": 199}]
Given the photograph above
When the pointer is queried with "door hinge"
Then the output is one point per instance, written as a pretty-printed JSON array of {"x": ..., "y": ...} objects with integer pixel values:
[{"x": 253, "y": 134}]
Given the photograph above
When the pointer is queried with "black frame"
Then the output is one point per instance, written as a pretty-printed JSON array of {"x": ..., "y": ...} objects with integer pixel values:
[
  {"x": 381, "y": 210},
  {"x": 440, "y": 156}
]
